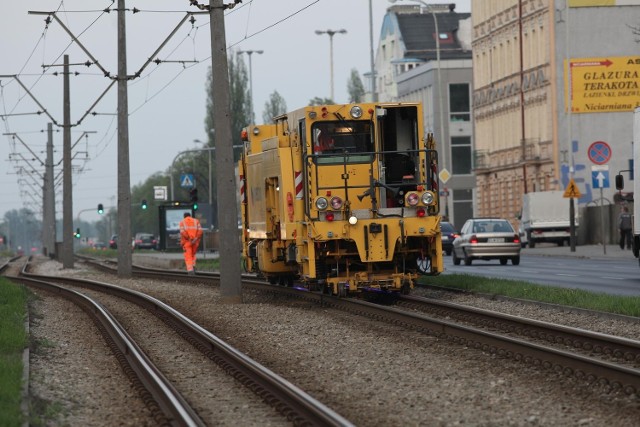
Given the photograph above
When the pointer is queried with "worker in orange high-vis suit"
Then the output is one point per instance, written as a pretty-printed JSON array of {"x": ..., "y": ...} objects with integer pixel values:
[{"x": 190, "y": 234}]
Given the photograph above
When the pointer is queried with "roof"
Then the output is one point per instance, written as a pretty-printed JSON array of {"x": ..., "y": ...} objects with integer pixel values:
[{"x": 419, "y": 35}]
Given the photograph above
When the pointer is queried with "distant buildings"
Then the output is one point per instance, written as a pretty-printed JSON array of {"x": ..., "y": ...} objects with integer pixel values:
[
  {"x": 533, "y": 130},
  {"x": 527, "y": 95},
  {"x": 407, "y": 69}
]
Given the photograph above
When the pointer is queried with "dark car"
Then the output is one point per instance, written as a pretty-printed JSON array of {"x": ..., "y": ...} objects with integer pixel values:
[
  {"x": 486, "y": 239},
  {"x": 113, "y": 242},
  {"x": 449, "y": 234},
  {"x": 144, "y": 241}
]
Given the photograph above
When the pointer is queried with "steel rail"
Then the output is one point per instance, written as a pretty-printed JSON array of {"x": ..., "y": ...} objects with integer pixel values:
[
  {"x": 615, "y": 376},
  {"x": 288, "y": 399},
  {"x": 169, "y": 407},
  {"x": 592, "y": 369},
  {"x": 624, "y": 348}
]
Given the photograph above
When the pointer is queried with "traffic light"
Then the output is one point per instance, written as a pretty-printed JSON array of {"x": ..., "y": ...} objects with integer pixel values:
[
  {"x": 77, "y": 233},
  {"x": 193, "y": 197},
  {"x": 100, "y": 208},
  {"x": 143, "y": 204}
]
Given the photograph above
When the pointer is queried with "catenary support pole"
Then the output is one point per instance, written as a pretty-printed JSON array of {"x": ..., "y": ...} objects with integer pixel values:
[
  {"x": 124, "y": 187},
  {"x": 67, "y": 188},
  {"x": 49, "y": 199},
  {"x": 230, "y": 281}
]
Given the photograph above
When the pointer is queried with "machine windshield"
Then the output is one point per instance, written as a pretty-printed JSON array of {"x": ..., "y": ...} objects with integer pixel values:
[{"x": 344, "y": 141}]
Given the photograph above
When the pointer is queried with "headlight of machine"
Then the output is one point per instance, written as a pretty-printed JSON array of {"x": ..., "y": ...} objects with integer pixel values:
[
  {"x": 356, "y": 112},
  {"x": 427, "y": 198},
  {"x": 336, "y": 203},
  {"x": 412, "y": 198},
  {"x": 321, "y": 203}
]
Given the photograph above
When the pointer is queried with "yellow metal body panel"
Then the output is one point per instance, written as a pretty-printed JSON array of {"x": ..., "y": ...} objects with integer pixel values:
[{"x": 285, "y": 233}]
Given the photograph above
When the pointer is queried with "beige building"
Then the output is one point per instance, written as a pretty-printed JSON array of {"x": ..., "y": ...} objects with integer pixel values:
[
  {"x": 516, "y": 148},
  {"x": 555, "y": 83}
]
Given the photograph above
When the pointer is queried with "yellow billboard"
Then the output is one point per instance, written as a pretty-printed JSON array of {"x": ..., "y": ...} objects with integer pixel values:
[
  {"x": 602, "y": 85},
  {"x": 591, "y": 3},
  {"x": 601, "y": 3}
]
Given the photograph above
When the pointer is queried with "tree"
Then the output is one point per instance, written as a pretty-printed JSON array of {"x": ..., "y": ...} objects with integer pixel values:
[
  {"x": 240, "y": 99},
  {"x": 146, "y": 221},
  {"x": 355, "y": 87},
  {"x": 241, "y": 116},
  {"x": 321, "y": 101},
  {"x": 274, "y": 107}
]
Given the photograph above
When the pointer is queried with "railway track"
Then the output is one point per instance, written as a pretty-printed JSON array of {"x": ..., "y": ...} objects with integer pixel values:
[
  {"x": 166, "y": 403},
  {"x": 356, "y": 366},
  {"x": 592, "y": 357}
]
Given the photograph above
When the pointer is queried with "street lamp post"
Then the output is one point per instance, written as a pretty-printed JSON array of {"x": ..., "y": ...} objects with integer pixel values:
[
  {"x": 209, "y": 149},
  {"x": 249, "y": 53},
  {"x": 331, "y": 33},
  {"x": 210, "y": 180}
]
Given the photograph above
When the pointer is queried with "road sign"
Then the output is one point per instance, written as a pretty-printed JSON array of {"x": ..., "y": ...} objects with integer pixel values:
[
  {"x": 444, "y": 175},
  {"x": 600, "y": 176},
  {"x": 599, "y": 152},
  {"x": 160, "y": 192},
  {"x": 572, "y": 191},
  {"x": 186, "y": 180}
]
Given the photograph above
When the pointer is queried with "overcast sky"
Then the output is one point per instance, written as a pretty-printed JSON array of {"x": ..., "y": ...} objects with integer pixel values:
[{"x": 167, "y": 102}]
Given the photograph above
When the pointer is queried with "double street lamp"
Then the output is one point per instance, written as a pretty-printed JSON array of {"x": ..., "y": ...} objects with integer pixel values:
[
  {"x": 249, "y": 53},
  {"x": 331, "y": 33}
]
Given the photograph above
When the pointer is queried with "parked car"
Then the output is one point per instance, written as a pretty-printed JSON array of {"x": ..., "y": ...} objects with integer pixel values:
[
  {"x": 449, "y": 234},
  {"x": 113, "y": 242},
  {"x": 487, "y": 239},
  {"x": 144, "y": 241},
  {"x": 99, "y": 245}
]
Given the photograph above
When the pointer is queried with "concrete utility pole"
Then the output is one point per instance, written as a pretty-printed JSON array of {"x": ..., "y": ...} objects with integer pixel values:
[
  {"x": 230, "y": 280},
  {"x": 124, "y": 179},
  {"x": 49, "y": 199},
  {"x": 67, "y": 188}
]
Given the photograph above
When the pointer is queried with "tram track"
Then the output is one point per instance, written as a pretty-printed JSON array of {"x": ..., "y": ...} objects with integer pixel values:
[
  {"x": 588, "y": 356},
  {"x": 294, "y": 404},
  {"x": 355, "y": 366}
]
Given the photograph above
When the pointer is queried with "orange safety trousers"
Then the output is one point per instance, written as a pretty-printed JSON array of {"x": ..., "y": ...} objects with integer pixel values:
[
  {"x": 189, "y": 251},
  {"x": 190, "y": 234}
]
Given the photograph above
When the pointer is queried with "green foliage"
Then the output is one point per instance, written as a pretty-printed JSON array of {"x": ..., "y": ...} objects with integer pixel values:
[
  {"x": 274, "y": 107},
  {"x": 13, "y": 340},
  {"x": 321, "y": 101},
  {"x": 355, "y": 87},
  {"x": 629, "y": 306},
  {"x": 146, "y": 220},
  {"x": 22, "y": 228}
]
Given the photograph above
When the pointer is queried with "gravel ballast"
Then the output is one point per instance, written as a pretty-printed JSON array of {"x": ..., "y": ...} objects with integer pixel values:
[{"x": 372, "y": 373}]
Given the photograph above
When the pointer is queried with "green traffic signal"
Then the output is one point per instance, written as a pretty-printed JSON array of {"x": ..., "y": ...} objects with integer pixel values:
[
  {"x": 100, "y": 209},
  {"x": 77, "y": 233},
  {"x": 143, "y": 204}
]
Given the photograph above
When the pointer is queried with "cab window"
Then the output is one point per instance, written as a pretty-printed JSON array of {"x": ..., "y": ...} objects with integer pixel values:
[{"x": 344, "y": 141}]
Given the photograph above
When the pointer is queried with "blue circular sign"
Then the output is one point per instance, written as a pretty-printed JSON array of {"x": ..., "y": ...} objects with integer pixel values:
[{"x": 599, "y": 152}]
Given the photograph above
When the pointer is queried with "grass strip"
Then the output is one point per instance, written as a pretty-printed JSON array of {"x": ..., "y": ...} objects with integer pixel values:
[
  {"x": 13, "y": 340},
  {"x": 625, "y": 305}
]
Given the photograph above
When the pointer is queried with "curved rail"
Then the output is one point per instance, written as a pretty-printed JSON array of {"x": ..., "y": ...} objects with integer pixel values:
[
  {"x": 623, "y": 348},
  {"x": 169, "y": 406},
  {"x": 291, "y": 401},
  {"x": 592, "y": 369}
]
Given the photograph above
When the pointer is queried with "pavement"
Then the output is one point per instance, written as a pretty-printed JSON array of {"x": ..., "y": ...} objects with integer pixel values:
[{"x": 612, "y": 251}]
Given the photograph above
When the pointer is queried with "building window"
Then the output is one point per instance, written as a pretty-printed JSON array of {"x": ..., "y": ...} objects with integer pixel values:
[
  {"x": 460, "y": 102},
  {"x": 461, "y": 155}
]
